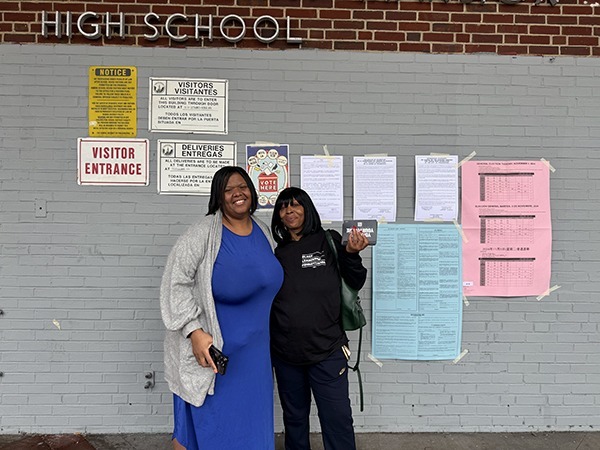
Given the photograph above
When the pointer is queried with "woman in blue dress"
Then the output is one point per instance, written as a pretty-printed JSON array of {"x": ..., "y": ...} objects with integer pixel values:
[{"x": 217, "y": 288}]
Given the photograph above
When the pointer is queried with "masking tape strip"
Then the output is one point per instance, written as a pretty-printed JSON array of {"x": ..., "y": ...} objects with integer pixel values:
[
  {"x": 439, "y": 154},
  {"x": 552, "y": 289},
  {"x": 473, "y": 153},
  {"x": 381, "y": 220},
  {"x": 375, "y": 360},
  {"x": 328, "y": 156},
  {"x": 433, "y": 219},
  {"x": 552, "y": 169},
  {"x": 461, "y": 356},
  {"x": 466, "y": 300},
  {"x": 56, "y": 323},
  {"x": 265, "y": 144},
  {"x": 376, "y": 155},
  {"x": 460, "y": 230}
]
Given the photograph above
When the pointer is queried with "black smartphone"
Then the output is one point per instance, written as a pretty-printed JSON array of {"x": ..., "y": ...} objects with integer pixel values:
[{"x": 219, "y": 359}]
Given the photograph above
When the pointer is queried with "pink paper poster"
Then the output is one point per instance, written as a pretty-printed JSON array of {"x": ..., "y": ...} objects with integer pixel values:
[{"x": 506, "y": 221}]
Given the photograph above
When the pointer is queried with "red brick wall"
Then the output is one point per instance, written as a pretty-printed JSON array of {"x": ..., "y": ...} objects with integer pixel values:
[{"x": 572, "y": 27}]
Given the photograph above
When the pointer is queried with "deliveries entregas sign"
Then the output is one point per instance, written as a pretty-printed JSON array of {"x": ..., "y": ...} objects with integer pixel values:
[{"x": 94, "y": 26}]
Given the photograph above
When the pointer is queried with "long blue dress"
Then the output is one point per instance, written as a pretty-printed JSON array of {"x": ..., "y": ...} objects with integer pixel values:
[{"x": 246, "y": 277}]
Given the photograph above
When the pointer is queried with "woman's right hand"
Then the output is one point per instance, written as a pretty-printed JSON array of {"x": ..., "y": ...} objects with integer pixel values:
[
  {"x": 201, "y": 342},
  {"x": 357, "y": 241}
]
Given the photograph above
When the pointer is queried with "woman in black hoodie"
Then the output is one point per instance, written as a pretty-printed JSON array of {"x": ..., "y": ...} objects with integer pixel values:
[{"x": 307, "y": 337}]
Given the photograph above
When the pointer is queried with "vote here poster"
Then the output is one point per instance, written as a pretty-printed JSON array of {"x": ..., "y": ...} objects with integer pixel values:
[{"x": 267, "y": 165}]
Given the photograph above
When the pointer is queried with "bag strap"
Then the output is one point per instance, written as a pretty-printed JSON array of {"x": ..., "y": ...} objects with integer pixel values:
[
  {"x": 333, "y": 249},
  {"x": 355, "y": 367},
  {"x": 357, "y": 370}
]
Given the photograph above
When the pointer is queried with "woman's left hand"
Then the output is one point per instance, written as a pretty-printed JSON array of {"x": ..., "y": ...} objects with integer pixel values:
[{"x": 357, "y": 241}]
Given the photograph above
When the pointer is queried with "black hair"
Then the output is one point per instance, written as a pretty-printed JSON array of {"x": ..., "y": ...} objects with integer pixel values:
[
  {"x": 312, "y": 221},
  {"x": 219, "y": 183}
]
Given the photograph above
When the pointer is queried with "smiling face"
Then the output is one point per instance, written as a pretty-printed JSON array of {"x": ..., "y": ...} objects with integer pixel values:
[
  {"x": 292, "y": 217},
  {"x": 237, "y": 199}
]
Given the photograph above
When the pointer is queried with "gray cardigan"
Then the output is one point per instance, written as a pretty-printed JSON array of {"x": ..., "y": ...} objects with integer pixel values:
[{"x": 187, "y": 304}]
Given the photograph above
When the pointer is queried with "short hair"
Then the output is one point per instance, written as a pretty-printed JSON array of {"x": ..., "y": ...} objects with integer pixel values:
[
  {"x": 312, "y": 221},
  {"x": 219, "y": 183}
]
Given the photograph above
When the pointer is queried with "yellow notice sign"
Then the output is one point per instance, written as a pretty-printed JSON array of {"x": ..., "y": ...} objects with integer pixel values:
[{"x": 112, "y": 110}]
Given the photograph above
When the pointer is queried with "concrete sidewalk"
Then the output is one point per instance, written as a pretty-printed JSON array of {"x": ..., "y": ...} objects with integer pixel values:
[{"x": 370, "y": 441}]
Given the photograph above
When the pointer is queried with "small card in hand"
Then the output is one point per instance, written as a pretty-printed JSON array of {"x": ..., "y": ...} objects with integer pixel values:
[
  {"x": 219, "y": 359},
  {"x": 368, "y": 227}
]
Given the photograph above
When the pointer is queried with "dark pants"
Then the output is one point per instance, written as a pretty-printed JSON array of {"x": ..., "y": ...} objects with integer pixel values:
[{"x": 330, "y": 390}]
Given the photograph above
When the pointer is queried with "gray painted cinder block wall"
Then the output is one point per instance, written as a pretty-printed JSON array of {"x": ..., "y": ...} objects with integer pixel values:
[{"x": 93, "y": 264}]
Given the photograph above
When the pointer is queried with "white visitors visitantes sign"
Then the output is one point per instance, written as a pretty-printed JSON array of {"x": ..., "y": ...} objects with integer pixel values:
[{"x": 188, "y": 105}]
